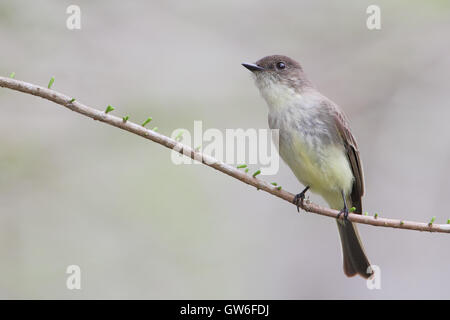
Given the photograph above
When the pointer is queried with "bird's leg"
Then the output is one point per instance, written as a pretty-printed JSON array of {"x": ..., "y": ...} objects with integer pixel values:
[
  {"x": 299, "y": 198},
  {"x": 345, "y": 209}
]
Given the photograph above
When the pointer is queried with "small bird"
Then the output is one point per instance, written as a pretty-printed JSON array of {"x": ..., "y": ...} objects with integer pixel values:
[{"x": 316, "y": 143}]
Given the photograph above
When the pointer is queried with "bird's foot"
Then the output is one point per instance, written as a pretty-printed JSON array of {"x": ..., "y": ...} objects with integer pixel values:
[
  {"x": 299, "y": 198},
  {"x": 343, "y": 211}
]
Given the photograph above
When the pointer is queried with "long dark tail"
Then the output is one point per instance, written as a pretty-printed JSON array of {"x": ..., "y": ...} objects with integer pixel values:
[{"x": 355, "y": 259}]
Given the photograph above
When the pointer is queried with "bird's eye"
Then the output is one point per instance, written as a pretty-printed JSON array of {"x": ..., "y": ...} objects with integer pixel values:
[{"x": 281, "y": 65}]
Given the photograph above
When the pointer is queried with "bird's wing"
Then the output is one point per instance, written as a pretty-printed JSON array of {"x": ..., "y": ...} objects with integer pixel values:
[{"x": 353, "y": 156}]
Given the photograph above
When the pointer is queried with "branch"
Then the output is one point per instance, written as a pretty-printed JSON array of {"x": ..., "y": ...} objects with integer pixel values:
[{"x": 167, "y": 142}]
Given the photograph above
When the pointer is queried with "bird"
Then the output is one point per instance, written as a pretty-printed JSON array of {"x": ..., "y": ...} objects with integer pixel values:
[{"x": 317, "y": 144}]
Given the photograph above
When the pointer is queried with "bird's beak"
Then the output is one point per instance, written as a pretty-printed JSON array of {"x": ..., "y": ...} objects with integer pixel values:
[{"x": 253, "y": 67}]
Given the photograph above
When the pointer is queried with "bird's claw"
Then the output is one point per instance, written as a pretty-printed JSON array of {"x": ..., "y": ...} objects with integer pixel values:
[
  {"x": 343, "y": 211},
  {"x": 299, "y": 198}
]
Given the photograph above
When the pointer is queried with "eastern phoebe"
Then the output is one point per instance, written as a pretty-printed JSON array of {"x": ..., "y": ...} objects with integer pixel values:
[{"x": 316, "y": 143}]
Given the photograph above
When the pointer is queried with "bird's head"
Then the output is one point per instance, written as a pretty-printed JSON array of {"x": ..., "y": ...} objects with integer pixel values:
[
  {"x": 277, "y": 70},
  {"x": 279, "y": 78}
]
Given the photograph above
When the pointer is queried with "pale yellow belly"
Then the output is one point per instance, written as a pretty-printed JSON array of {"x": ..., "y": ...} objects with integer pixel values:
[{"x": 325, "y": 169}]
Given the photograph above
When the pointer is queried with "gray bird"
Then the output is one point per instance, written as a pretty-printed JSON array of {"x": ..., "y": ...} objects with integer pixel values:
[{"x": 316, "y": 143}]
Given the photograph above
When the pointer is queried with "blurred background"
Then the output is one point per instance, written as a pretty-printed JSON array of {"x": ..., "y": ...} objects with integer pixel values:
[{"x": 75, "y": 191}]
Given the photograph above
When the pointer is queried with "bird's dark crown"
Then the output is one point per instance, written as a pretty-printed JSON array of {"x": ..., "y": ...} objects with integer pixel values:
[{"x": 273, "y": 63}]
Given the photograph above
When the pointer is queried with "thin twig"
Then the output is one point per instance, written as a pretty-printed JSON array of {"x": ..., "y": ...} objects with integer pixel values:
[{"x": 95, "y": 114}]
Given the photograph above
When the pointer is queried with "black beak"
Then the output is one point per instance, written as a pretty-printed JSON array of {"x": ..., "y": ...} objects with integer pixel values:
[{"x": 253, "y": 67}]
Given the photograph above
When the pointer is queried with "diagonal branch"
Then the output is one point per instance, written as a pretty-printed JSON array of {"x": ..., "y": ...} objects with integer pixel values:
[{"x": 167, "y": 142}]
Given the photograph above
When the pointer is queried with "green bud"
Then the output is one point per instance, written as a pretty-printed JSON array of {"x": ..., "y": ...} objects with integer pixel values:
[
  {"x": 109, "y": 108},
  {"x": 432, "y": 220},
  {"x": 256, "y": 173},
  {"x": 147, "y": 121},
  {"x": 179, "y": 135},
  {"x": 50, "y": 84}
]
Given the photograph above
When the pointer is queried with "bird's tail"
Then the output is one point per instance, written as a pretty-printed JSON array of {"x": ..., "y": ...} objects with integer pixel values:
[{"x": 355, "y": 259}]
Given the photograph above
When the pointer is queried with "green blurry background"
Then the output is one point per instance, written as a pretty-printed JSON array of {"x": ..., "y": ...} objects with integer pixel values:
[{"x": 75, "y": 191}]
